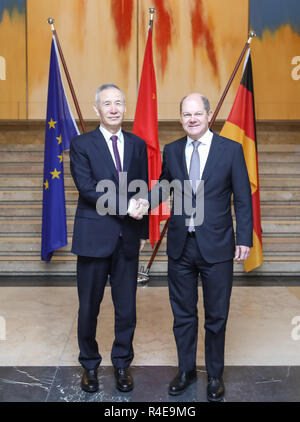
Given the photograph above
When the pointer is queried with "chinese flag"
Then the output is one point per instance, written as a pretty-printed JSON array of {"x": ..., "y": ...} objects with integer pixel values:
[
  {"x": 240, "y": 126},
  {"x": 146, "y": 126}
]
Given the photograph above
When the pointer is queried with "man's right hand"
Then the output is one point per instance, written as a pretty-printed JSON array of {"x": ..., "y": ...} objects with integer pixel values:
[{"x": 138, "y": 208}]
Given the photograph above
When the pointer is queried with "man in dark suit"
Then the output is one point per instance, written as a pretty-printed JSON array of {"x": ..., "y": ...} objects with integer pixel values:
[
  {"x": 206, "y": 248},
  {"x": 107, "y": 241}
]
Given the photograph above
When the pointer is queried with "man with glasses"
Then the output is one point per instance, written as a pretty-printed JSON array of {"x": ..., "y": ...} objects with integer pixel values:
[{"x": 107, "y": 244}]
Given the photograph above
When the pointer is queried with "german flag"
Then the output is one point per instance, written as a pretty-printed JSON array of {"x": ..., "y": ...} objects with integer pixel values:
[{"x": 240, "y": 126}]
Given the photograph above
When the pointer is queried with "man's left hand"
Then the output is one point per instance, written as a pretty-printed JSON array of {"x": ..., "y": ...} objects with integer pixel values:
[
  {"x": 142, "y": 244},
  {"x": 241, "y": 253}
]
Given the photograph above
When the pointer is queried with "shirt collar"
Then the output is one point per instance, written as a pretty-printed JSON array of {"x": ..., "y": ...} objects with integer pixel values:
[
  {"x": 108, "y": 134},
  {"x": 205, "y": 139}
]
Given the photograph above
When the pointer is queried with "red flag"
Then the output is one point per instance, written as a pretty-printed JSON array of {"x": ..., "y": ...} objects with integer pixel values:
[
  {"x": 146, "y": 126},
  {"x": 240, "y": 126}
]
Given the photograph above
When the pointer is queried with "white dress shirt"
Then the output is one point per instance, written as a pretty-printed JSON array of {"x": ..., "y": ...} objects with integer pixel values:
[
  {"x": 203, "y": 149},
  {"x": 120, "y": 143}
]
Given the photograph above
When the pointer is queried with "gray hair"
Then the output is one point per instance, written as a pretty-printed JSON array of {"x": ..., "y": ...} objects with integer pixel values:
[
  {"x": 106, "y": 86},
  {"x": 204, "y": 99}
]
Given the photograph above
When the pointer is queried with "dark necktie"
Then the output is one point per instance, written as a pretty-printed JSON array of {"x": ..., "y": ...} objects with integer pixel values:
[
  {"x": 194, "y": 174},
  {"x": 114, "y": 139}
]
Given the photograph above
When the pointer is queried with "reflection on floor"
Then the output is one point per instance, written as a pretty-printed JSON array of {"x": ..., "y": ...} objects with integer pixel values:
[
  {"x": 38, "y": 344},
  {"x": 62, "y": 384}
]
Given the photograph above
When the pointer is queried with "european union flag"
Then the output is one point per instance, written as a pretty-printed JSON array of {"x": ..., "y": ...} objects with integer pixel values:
[{"x": 60, "y": 130}]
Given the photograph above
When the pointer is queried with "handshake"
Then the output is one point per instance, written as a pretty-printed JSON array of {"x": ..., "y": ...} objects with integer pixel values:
[{"x": 138, "y": 208}]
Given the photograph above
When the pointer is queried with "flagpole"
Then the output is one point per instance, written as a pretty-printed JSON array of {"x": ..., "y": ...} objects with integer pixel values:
[
  {"x": 220, "y": 103},
  {"x": 143, "y": 276},
  {"x": 51, "y": 22}
]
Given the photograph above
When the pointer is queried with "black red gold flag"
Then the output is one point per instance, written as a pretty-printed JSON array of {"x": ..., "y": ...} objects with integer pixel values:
[{"x": 240, "y": 126}]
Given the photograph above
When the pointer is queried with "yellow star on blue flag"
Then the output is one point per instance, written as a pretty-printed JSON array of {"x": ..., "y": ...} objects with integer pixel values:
[
  {"x": 60, "y": 130},
  {"x": 52, "y": 124}
]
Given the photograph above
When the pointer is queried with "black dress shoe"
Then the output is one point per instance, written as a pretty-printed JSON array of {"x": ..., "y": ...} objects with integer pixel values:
[
  {"x": 123, "y": 379},
  {"x": 182, "y": 380},
  {"x": 89, "y": 381},
  {"x": 215, "y": 389}
]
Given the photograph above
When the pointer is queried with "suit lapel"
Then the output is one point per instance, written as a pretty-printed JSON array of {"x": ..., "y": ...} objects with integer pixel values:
[
  {"x": 105, "y": 154},
  {"x": 182, "y": 162},
  {"x": 101, "y": 145},
  {"x": 182, "y": 159},
  {"x": 128, "y": 151},
  {"x": 215, "y": 153}
]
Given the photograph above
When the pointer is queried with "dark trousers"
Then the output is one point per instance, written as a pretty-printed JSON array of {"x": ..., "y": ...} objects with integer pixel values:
[
  {"x": 183, "y": 290},
  {"x": 92, "y": 275}
]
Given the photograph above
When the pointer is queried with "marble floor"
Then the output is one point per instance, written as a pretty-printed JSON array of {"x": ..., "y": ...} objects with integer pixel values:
[{"x": 38, "y": 344}]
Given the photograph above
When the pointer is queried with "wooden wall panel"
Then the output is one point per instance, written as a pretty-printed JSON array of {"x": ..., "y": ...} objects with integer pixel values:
[
  {"x": 13, "y": 60},
  {"x": 97, "y": 48},
  {"x": 276, "y": 58},
  {"x": 196, "y": 45}
]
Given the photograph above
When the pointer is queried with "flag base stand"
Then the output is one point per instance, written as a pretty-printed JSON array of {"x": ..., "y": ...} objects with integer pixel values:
[{"x": 143, "y": 277}]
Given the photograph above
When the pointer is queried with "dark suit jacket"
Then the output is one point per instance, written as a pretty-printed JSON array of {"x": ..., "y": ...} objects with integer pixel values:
[
  {"x": 90, "y": 161},
  {"x": 225, "y": 173}
]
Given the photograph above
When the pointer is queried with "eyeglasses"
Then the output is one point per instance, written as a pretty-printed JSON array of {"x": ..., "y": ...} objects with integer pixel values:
[
  {"x": 188, "y": 116},
  {"x": 108, "y": 104}
]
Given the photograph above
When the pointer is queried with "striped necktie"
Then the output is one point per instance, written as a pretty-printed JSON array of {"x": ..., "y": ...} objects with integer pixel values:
[{"x": 114, "y": 139}]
